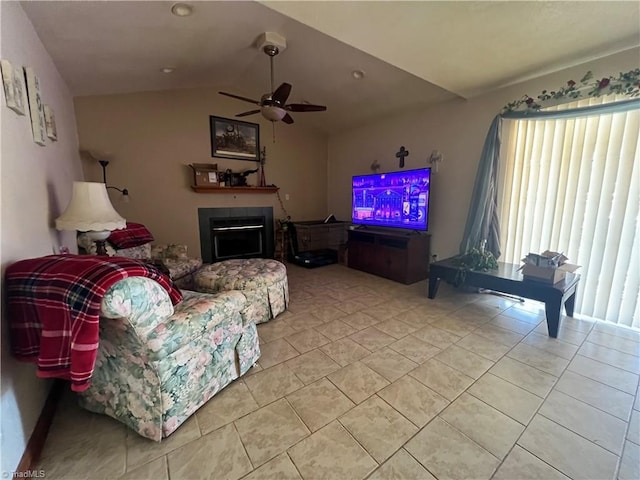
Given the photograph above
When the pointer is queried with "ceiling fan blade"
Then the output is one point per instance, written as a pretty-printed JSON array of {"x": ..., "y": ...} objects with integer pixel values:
[
  {"x": 250, "y": 112},
  {"x": 240, "y": 98},
  {"x": 282, "y": 93},
  {"x": 305, "y": 107},
  {"x": 287, "y": 119}
]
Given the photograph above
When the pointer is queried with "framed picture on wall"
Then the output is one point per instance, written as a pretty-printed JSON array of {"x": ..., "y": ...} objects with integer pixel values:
[
  {"x": 13, "y": 82},
  {"x": 36, "y": 107},
  {"x": 234, "y": 139},
  {"x": 50, "y": 123}
]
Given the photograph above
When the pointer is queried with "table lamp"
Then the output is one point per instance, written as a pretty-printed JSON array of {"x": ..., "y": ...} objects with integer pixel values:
[{"x": 91, "y": 211}]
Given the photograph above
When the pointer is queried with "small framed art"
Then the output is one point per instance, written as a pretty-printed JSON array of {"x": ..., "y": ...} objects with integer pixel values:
[
  {"x": 13, "y": 82},
  {"x": 50, "y": 123},
  {"x": 36, "y": 107}
]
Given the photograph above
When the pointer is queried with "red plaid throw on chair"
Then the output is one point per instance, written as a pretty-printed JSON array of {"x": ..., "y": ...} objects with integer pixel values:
[{"x": 54, "y": 307}]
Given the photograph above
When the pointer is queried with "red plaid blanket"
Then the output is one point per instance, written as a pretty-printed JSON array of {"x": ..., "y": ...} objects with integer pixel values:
[{"x": 54, "y": 307}]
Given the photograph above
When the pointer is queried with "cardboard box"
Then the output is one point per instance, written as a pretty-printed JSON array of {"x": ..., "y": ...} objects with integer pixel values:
[
  {"x": 548, "y": 267},
  {"x": 205, "y": 174}
]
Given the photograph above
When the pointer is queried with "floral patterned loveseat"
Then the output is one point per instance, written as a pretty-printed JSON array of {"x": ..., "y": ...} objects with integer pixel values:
[
  {"x": 155, "y": 366},
  {"x": 134, "y": 241}
]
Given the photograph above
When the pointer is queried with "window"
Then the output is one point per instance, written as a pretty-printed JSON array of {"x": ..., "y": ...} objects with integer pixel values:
[{"x": 573, "y": 186}]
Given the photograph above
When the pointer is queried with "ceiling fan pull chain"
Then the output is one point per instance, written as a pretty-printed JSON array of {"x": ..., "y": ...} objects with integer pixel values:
[{"x": 273, "y": 126}]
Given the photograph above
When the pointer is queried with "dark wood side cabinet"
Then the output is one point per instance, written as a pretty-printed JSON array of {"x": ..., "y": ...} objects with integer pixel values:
[{"x": 400, "y": 256}]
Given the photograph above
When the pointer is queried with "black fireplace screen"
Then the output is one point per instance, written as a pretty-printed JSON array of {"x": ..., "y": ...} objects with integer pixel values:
[
  {"x": 235, "y": 242},
  {"x": 238, "y": 238}
]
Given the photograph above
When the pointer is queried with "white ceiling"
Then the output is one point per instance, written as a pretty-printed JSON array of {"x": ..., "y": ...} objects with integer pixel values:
[{"x": 414, "y": 54}]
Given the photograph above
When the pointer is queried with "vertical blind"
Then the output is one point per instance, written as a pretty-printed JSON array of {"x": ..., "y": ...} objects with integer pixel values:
[{"x": 573, "y": 186}]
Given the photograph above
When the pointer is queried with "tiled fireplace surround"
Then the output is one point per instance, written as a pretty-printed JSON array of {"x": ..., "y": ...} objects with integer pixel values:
[{"x": 209, "y": 218}]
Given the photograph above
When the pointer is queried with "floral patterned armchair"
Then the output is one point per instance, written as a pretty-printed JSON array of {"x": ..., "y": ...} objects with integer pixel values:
[{"x": 155, "y": 365}]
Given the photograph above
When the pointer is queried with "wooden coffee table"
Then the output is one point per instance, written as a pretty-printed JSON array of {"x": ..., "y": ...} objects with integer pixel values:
[{"x": 507, "y": 279}]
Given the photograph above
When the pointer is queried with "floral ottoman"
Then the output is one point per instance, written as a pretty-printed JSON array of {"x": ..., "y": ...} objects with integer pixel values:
[{"x": 262, "y": 281}]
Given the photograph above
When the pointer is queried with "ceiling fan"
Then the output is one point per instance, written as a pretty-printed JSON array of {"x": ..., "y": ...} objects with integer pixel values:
[{"x": 273, "y": 105}]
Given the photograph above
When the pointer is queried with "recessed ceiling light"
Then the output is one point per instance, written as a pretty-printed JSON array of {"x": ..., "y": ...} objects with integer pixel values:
[
  {"x": 357, "y": 74},
  {"x": 167, "y": 69},
  {"x": 181, "y": 9}
]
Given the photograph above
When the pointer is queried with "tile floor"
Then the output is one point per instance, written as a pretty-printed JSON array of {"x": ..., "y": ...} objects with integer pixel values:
[{"x": 367, "y": 378}]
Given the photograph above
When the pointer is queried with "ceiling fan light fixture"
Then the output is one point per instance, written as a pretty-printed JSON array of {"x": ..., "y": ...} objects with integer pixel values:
[
  {"x": 273, "y": 105},
  {"x": 272, "y": 113}
]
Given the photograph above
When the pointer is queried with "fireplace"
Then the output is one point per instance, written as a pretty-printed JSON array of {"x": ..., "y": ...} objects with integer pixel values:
[
  {"x": 237, "y": 238},
  {"x": 227, "y": 233}
]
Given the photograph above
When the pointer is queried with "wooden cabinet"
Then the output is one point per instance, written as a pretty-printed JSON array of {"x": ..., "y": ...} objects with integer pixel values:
[
  {"x": 403, "y": 257},
  {"x": 316, "y": 235}
]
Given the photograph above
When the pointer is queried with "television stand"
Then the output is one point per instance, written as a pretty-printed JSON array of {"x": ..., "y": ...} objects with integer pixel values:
[{"x": 397, "y": 255}]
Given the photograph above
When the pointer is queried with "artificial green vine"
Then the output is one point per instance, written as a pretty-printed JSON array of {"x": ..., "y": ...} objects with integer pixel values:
[
  {"x": 476, "y": 259},
  {"x": 626, "y": 83}
]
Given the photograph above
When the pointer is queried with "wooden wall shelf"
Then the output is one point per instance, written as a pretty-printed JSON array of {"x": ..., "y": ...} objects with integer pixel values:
[{"x": 247, "y": 189}]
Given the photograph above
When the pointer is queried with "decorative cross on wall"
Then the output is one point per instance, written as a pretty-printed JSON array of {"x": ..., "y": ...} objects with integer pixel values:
[{"x": 401, "y": 154}]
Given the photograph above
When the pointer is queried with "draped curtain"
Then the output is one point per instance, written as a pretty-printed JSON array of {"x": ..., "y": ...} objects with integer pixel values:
[{"x": 482, "y": 221}]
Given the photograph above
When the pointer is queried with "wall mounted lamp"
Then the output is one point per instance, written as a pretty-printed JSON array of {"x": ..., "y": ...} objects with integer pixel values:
[
  {"x": 435, "y": 159},
  {"x": 123, "y": 191}
]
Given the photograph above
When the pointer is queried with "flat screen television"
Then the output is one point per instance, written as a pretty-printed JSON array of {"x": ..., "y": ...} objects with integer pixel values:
[{"x": 394, "y": 199}]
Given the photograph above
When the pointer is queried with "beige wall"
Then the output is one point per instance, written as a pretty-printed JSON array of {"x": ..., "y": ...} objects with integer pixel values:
[
  {"x": 36, "y": 186},
  {"x": 151, "y": 137},
  {"x": 457, "y": 129}
]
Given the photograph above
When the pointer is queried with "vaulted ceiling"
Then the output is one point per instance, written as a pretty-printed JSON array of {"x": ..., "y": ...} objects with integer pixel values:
[{"x": 413, "y": 54}]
